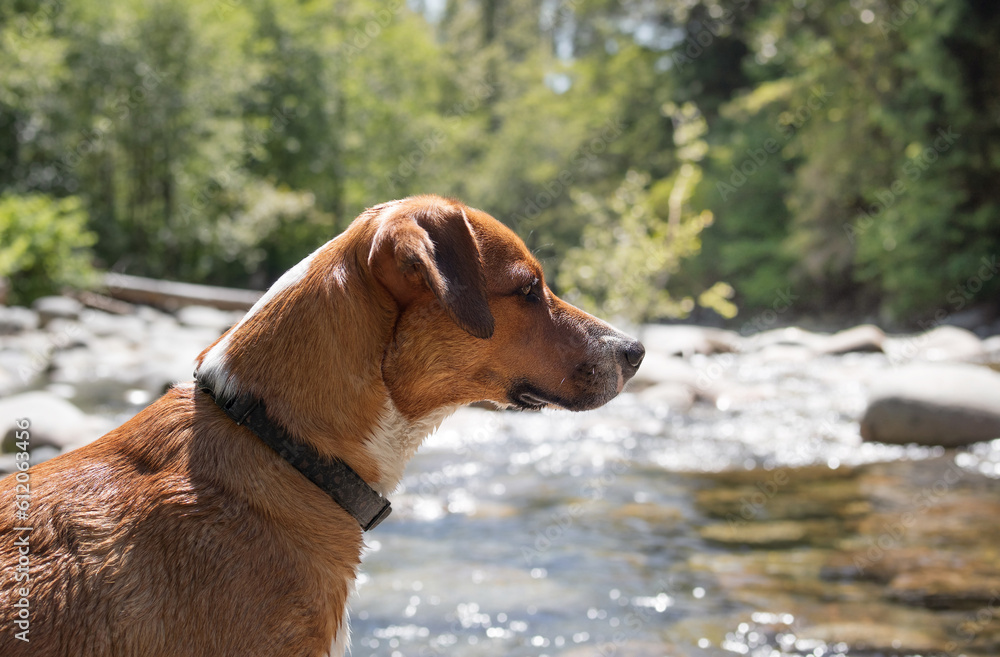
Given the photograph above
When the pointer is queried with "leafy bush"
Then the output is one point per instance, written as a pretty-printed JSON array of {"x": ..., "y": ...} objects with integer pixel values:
[
  {"x": 44, "y": 245},
  {"x": 634, "y": 242}
]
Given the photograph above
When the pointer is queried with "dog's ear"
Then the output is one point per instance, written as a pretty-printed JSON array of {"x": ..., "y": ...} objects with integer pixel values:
[{"x": 433, "y": 245}]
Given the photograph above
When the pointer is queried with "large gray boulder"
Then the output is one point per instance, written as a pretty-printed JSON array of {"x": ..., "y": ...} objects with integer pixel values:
[{"x": 947, "y": 404}]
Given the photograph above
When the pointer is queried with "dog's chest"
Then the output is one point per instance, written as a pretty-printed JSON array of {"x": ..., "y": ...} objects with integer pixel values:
[{"x": 395, "y": 440}]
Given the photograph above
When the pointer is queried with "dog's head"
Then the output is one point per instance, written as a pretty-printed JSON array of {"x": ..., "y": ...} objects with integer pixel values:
[{"x": 476, "y": 321}]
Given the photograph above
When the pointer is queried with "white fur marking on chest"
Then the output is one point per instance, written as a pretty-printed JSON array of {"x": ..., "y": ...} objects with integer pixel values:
[
  {"x": 395, "y": 440},
  {"x": 342, "y": 642}
]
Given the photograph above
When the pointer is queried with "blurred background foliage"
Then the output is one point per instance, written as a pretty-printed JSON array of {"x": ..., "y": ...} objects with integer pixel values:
[{"x": 663, "y": 158}]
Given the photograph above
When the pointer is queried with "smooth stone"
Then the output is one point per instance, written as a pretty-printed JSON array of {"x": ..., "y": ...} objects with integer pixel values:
[
  {"x": 782, "y": 353},
  {"x": 207, "y": 317},
  {"x": 43, "y": 453},
  {"x": 675, "y": 396},
  {"x": 8, "y": 382},
  {"x": 864, "y": 338},
  {"x": 104, "y": 324},
  {"x": 789, "y": 336},
  {"x": 67, "y": 334},
  {"x": 150, "y": 315},
  {"x": 8, "y": 464},
  {"x": 684, "y": 340},
  {"x": 49, "y": 308},
  {"x": 54, "y": 421},
  {"x": 991, "y": 355},
  {"x": 777, "y": 496},
  {"x": 757, "y": 534},
  {"x": 656, "y": 514},
  {"x": 943, "y": 343},
  {"x": 934, "y": 404},
  {"x": 16, "y": 319},
  {"x": 658, "y": 368},
  {"x": 947, "y": 587}
]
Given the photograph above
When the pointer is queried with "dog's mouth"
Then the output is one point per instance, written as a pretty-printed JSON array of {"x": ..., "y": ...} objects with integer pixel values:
[
  {"x": 527, "y": 397},
  {"x": 530, "y": 401}
]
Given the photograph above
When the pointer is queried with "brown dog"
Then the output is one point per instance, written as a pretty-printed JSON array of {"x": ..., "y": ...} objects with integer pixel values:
[{"x": 183, "y": 533}]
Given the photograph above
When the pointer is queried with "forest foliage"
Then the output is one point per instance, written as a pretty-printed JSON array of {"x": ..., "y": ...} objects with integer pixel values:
[{"x": 663, "y": 158}]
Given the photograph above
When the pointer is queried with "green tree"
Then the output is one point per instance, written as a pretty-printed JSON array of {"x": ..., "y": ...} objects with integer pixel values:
[{"x": 44, "y": 245}]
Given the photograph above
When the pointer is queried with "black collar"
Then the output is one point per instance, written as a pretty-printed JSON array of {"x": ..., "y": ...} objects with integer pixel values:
[{"x": 334, "y": 477}]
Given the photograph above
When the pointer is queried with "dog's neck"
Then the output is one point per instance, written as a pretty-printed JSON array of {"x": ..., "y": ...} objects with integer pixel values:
[{"x": 311, "y": 348}]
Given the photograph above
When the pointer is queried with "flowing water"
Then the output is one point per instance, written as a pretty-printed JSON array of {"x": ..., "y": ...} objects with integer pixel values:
[{"x": 757, "y": 525}]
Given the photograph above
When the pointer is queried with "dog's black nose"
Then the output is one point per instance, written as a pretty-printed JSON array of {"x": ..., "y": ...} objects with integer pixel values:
[{"x": 633, "y": 353}]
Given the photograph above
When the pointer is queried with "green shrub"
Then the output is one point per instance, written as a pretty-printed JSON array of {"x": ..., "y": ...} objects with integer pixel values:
[{"x": 44, "y": 245}]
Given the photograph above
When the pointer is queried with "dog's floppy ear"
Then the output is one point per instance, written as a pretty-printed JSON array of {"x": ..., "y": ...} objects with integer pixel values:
[{"x": 433, "y": 245}]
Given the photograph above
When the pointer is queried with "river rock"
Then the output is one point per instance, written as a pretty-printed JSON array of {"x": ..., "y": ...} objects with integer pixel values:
[
  {"x": 8, "y": 464},
  {"x": 687, "y": 340},
  {"x": 104, "y": 324},
  {"x": 791, "y": 336},
  {"x": 949, "y": 587},
  {"x": 49, "y": 308},
  {"x": 54, "y": 421},
  {"x": 934, "y": 404},
  {"x": 207, "y": 317},
  {"x": 15, "y": 319},
  {"x": 991, "y": 349},
  {"x": 943, "y": 343},
  {"x": 781, "y": 353},
  {"x": 675, "y": 396},
  {"x": 658, "y": 368},
  {"x": 860, "y": 338}
]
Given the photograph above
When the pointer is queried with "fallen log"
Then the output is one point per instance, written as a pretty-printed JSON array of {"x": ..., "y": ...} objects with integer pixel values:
[{"x": 171, "y": 295}]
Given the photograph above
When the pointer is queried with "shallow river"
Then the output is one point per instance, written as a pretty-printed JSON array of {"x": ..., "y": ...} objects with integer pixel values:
[{"x": 757, "y": 525}]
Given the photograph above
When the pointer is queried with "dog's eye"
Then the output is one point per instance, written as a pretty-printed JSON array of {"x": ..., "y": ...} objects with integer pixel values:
[{"x": 529, "y": 292}]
